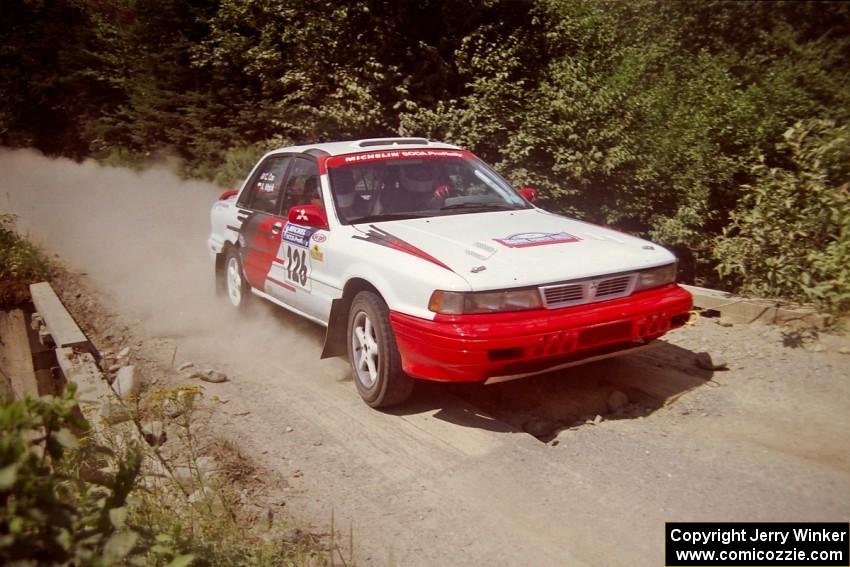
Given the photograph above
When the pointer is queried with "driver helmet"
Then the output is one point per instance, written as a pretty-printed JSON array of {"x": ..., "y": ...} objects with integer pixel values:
[{"x": 417, "y": 178}]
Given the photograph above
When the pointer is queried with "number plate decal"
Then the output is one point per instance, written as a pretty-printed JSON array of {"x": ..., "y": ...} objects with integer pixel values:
[{"x": 296, "y": 265}]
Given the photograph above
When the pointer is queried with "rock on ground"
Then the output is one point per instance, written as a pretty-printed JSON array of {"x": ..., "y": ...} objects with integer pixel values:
[
  {"x": 213, "y": 376},
  {"x": 127, "y": 382},
  {"x": 154, "y": 433},
  {"x": 113, "y": 412},
  {"x": 540, "y": 427},
  {"x": 709, "y": 361},
  {"x": 617, "y": 400}
]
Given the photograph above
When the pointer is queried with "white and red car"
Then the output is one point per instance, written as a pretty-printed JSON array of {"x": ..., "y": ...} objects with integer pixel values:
[{"x": 424, "y": 263}]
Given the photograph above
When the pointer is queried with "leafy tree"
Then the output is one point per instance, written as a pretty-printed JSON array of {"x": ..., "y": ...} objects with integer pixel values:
[
  {"x": 789, "y": 236},
  {"x": 50, "y": 81}
]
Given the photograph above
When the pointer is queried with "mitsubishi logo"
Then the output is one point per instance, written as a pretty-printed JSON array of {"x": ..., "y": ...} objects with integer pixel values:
[{"x": 302, "y": 215}]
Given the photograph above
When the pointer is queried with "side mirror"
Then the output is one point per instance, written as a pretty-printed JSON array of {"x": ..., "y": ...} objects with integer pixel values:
[
  {"x": 308, "y": 215},
  {"x": 228, "y": 194},
  {"x": 528, "y": 194}
]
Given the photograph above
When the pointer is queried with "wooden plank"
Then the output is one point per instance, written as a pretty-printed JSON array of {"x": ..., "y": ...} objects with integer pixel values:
[
  {"x": 47, "y": 385},
  {"x": 15, "y": 355},
  {"x": 62, "y": 327}
]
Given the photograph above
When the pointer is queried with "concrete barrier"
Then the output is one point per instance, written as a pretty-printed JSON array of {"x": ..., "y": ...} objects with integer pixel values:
[
  {"x": 766, "y": 311},
  {"x": 62, "y": 327}
]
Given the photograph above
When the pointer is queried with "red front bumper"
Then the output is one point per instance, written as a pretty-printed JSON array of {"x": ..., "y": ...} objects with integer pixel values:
[{"x": 473, "y": 348}]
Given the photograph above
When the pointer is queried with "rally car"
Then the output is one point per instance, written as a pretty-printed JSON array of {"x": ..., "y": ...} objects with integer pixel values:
[{"x": 424, "y": 263}]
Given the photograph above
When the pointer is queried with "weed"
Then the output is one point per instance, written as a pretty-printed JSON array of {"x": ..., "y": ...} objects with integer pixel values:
[{"x": 92, "y": 493}]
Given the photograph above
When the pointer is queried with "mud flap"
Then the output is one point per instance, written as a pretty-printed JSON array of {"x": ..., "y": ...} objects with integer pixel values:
[{"x": 336, "y": 330}]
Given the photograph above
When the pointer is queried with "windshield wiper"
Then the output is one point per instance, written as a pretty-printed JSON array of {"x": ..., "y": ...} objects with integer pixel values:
[
  {"x": 483, "y": 206},
  {"x": 388, "y": 217}
]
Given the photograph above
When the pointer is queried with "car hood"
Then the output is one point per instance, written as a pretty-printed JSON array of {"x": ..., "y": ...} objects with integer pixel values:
[{"x": 504, "y": 249}]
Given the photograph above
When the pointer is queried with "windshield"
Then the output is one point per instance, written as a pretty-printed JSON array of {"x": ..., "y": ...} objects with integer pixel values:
[{"x": 374, "y": 188}]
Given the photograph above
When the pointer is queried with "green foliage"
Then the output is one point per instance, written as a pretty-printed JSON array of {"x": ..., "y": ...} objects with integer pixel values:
[
  {"x": 789, "y": 236},
  {"x": 51, "y": 514},
  {"x": 74, "y": 492},
  {"x": 235, "y": 164},
  {"x": 19, "y": 259}
]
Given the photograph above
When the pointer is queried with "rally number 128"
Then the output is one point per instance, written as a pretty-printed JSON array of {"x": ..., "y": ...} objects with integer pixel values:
[{"x": 296, "y": 265}]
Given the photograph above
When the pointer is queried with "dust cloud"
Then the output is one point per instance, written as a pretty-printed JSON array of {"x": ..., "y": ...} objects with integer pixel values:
[{"x": 140, "y": 236}]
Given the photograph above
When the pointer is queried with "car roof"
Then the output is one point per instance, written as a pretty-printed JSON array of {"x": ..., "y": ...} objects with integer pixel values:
[{"x": 368, "y": 145}]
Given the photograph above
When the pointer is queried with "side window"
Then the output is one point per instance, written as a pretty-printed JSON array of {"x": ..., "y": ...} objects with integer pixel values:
[
  {"x": 263, "y": 191},
  {"x": 302, "y": 185}
]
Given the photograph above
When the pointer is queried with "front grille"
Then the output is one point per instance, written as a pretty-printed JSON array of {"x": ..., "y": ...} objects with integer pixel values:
[
  {"x": 613, "y": 286},
  {"x": 564, "y": 293},
  {"x": 588, "y": 291}
]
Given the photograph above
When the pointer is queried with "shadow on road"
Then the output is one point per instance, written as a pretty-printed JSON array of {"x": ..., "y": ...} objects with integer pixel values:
[{"x": 625, "y": 387}]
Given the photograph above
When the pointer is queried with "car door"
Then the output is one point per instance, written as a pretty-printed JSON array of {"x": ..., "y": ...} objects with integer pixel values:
[
  {"x": 261, "y": 231},
  {"x": 297, "y": 255}
]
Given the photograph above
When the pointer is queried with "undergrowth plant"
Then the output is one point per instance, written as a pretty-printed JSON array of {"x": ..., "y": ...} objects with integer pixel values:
[
  {"x": 19, "y": 259},
  {"x": 789, "y": 236},
  {"x": 53, "y": 512},
  {"x": 84, "y": 492}
]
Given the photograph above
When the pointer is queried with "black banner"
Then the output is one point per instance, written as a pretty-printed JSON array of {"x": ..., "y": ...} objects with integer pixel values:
[{"x": 692, "y": 544}]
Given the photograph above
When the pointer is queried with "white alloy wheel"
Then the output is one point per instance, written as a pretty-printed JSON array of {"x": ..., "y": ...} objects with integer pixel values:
[
  {"x": 234, "y": 281},
  {"x": 373, "y": 353},
  {"x": 367, "y": 353},
  {"x": 235, "y": 286}
]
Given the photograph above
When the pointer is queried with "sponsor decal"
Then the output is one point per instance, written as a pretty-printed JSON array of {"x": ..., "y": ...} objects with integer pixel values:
[
  {"x": 319, "y": 237},
  {"x": 297, "y": 234},
  {"x": 384, "y": 238},
  {"x": 431, "y": 153},
  {"x": 402, "y": 154},
  {"x": 396, "y": 154},
  {"x": 526, "y": 239},
  {"x": 372, "y": 156},
  {"x": 265, "y": 183},
  {"x": 316, "y": 253}
]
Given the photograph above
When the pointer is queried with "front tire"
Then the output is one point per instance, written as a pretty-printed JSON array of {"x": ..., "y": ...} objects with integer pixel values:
[
  {"x": 373, "y": 353},
  {"x": 236, "y": 288}
]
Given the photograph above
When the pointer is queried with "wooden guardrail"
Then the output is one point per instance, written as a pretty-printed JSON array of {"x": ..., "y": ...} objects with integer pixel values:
[{"x": 17, "y": 364}]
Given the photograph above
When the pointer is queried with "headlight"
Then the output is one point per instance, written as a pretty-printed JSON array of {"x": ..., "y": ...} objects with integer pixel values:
[
  {"x": 459, "y": 303},
  {"x": 656, "y": 277}
]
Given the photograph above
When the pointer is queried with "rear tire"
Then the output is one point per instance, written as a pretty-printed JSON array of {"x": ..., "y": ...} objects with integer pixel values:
[
  {"x": 236, "y": 288},
  {"x": 373, "y": 353}
]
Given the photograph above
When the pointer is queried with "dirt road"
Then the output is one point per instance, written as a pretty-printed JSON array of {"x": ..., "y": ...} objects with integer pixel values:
[{"x": 452, "y": 479}]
